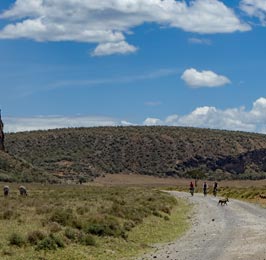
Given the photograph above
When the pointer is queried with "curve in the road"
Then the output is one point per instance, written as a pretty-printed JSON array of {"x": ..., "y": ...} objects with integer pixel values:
[{"x": 233, "y": 232}]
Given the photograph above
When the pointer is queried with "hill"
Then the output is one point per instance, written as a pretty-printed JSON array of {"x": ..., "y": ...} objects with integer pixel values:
[
  {"x": 85, "y": 153},
  {"x": 13, "y": 169}
]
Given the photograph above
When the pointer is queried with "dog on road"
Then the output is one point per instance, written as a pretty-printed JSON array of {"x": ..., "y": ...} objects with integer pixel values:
[{"x": 223, "y": 201}]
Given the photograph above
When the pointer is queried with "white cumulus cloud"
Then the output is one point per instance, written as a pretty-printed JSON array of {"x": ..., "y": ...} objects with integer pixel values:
[
  {"x": 126, "y": 123},
  {"x": 240, "y": 119},
  {"x": 152, "y": 121},
  {"x": 110, "y": 48},
  {"x": 171, "y": 119},
  {"x": 256, "y": 8},
  {"x": 205, "y": 78},
  {"x": 13, "y": 124},
  {"x": 107, "y": 22}
]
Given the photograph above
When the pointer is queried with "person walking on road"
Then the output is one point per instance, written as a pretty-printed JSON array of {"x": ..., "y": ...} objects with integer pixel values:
[
  {"x": 215, "y": 189},
  {"x": 205, "y": 188},
  {"x": 191, "y": 188}
]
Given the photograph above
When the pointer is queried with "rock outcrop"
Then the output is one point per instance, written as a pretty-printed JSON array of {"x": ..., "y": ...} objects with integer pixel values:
[{"x": 2, "y": 135}]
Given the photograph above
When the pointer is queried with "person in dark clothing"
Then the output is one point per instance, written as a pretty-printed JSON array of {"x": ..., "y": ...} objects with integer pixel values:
[
  {"x": 215, "y": 189},
  {"x": 191, "y": 188},
  {"x": 205, "y": 188}
]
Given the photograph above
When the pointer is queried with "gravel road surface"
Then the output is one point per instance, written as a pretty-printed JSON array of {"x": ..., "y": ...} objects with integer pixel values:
[{"x": 233, "y": 232}]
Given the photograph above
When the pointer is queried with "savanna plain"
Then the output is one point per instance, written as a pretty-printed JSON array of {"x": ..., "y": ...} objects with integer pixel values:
[{"x": 115, "y": 217}]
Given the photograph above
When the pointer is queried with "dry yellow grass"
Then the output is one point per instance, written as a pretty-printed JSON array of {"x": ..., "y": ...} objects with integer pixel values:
[
  {"x": 181, "y": 183},
  {"x": 114, "y": 218}
]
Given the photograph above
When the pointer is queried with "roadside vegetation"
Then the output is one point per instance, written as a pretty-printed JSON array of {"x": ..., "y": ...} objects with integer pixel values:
[
  {"x": 87, "y": 222},
  {"x": 248, "y": 190},
  {"x": 250, "y": 194}
]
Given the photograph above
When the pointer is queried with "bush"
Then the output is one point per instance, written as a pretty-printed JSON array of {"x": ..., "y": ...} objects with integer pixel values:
[
  {"x": 77, "y": 223},
  {"x": 46, "y": 244},
  {"x": 129, "y": 225},
  {"x": 166, "y": 210},
  {"x": 51, "y": 242},
  {"x": 71, "y": 233},
  {"x": 87, "y": 240},
  {"x": 64, "y": 217},
  {"x": 54, "y": 227},
  {"x": 16, "y": 240},
  {"x": 157, "y": 214},
  {"x": 166, "y": 218},
  {"x": 35, "y": 236},
  {"x": 108, "y": 226},
  {"x": 58, "y": 240}
]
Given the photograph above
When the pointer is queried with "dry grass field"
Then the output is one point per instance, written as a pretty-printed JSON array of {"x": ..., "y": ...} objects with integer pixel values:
[
  {"x": 87, "y": 222},
  {"x": 240, "y": 189},
  {"x": 115, "y": 217},
  {"x": 145, "y": 180}
]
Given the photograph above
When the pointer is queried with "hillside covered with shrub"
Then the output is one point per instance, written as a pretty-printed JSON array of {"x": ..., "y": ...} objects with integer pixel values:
[
  {"x": 85, "y": 153},
  {"x": 14, "y": 169}
]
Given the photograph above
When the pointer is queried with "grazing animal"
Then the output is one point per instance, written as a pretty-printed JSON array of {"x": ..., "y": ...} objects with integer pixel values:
[
  {"x": 23, "y": 191},
  {"x": 262, "y": 196},
  {"x": 6, "y": 191},
  {"x": 223, "y": 201}
]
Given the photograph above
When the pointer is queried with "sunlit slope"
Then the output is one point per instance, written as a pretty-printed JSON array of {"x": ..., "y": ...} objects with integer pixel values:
[
  {"x": 13, "y": 169},
  {"x": 159, "y": 151}
]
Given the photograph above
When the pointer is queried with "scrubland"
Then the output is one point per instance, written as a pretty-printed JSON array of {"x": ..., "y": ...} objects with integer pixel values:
[
  {"x": 87, "y": 222},
  {"x": 86, "y": 153},
  {"x": 116, "y": 217}
]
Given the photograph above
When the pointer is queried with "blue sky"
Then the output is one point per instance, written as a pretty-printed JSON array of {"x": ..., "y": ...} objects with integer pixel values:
[{"x": 195, "y": 63}]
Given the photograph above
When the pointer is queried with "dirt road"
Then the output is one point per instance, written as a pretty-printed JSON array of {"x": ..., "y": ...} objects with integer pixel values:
[{"x": 233, "y": 232}]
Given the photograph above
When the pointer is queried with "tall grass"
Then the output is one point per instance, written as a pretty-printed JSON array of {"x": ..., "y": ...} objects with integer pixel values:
[
  {"x": 75, "y": 220},
  {"x": 251, "y": 194}
]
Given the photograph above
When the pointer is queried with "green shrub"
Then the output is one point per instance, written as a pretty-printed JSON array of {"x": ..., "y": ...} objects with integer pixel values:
[
  {"x": 87, "y": 240},
  {"x": 51, "y": 242},
  {"x": 46, "y": 244},
  {"x": 107, "y": 226},
  {"x": 166, "y": 218},
  {"x": 71, "y": 233},
  {"x": 64, "y": 217},
  {"x": 135, "y": 213},
  {"x": 6, "y": 177},
  {"x": 157, "y": 214},
  {"x": 58, "y": 240},
  {"x": 77, "y": 223},
  {"x": 129, "y": 225},
  {"x": 166, "y": 210},
  {"x": 16, "y": 240},
  {"x": 35, "y": 236},
  {"x": 98, "y": 229}
]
